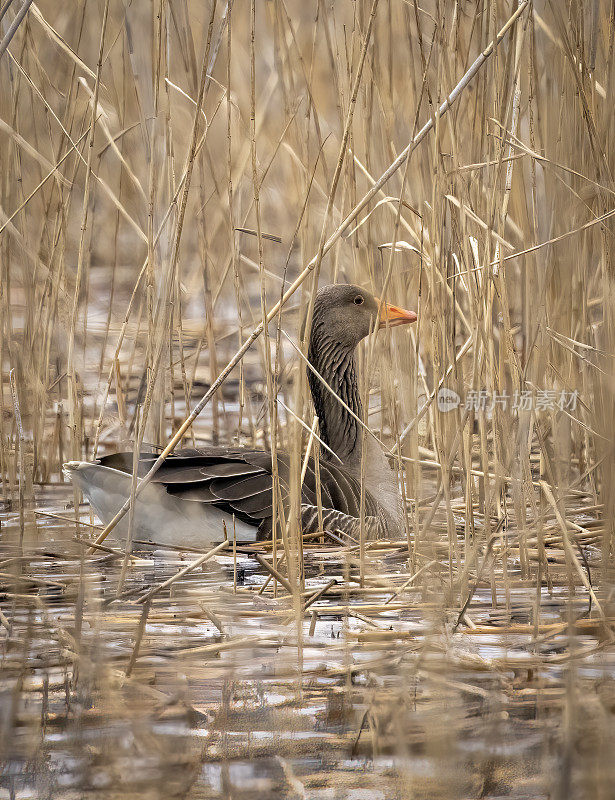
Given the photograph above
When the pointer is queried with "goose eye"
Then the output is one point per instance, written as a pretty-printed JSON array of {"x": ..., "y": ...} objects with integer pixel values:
[{"x": 358, "y": 301}]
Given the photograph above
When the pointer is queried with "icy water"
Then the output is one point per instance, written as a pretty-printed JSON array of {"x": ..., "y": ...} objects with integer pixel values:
[{"x": 217, "y": 688}]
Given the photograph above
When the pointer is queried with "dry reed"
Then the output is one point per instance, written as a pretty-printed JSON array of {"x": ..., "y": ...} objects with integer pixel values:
[{"x": 176, "y": 179}]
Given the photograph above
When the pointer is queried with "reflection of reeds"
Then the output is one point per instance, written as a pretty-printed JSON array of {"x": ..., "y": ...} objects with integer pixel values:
[{"x": 152, "y": 158}]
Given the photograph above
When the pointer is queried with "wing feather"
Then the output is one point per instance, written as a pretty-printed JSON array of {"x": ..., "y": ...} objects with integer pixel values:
[{"x": 238, "y": 480}]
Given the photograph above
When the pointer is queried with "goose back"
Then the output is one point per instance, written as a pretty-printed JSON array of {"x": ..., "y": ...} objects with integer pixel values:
[{"x": 239, "y": 481}]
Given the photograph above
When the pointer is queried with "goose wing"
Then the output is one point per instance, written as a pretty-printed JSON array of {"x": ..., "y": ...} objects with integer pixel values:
[{"x": 239, "y": 481}]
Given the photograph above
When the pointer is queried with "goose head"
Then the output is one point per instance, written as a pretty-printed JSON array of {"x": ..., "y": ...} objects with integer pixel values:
[{"x": 347, "y": 313}]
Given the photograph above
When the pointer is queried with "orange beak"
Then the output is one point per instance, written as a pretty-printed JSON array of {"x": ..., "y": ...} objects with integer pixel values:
[{"x": 393, "y": 316}]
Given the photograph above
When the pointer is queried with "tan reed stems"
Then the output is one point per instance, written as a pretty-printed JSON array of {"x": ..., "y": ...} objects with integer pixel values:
[
  {"x": 454, "y": 94},
  {"x": 490, "y": 620}
]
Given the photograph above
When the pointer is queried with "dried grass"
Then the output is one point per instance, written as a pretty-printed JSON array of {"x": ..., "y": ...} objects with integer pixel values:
[{"x": 176, "y": 178}]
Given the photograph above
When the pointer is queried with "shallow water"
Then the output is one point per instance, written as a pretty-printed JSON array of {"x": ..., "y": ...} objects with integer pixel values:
[{"x": 362, "y": 701}]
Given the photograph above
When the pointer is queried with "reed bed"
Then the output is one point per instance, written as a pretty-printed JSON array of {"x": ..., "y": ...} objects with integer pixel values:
[{"x": 177, "y": 178}]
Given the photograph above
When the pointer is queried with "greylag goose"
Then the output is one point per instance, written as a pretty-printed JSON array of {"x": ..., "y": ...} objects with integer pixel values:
[{"x": 196, "y": 491}]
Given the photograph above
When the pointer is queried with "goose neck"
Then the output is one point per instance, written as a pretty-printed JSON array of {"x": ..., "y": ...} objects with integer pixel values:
[{"x": 336, "y": 364}]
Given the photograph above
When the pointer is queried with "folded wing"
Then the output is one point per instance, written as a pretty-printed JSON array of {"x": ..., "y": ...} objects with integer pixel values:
[{"x": 239, "y": 481}]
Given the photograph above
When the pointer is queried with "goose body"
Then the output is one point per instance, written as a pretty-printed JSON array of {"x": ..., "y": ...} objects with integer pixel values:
[
  {"x": 197, "y": 494},
  {"x": 159, "y": 517}
]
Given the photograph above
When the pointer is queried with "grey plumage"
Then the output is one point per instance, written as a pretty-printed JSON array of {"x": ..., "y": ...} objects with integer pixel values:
[{"x": 236, "y": 483}]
